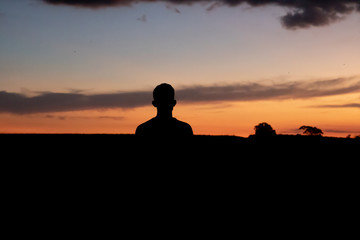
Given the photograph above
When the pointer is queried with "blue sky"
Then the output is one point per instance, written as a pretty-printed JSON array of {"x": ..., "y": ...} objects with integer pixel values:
[{"x": 60, "y": 47}]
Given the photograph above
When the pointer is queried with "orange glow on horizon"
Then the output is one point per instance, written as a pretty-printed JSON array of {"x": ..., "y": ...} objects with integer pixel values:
[{"x": 229, "y": 118}]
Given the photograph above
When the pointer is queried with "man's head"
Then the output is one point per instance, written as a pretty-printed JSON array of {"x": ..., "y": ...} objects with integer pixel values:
[{"x": 164, "y": 97}]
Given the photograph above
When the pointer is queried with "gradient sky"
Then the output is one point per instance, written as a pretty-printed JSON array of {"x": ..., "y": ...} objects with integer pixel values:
[{"x": 66, "y": 69}]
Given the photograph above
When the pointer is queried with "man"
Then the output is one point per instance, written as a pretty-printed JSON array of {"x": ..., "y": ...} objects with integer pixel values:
[{"x": 164, "y": 125}]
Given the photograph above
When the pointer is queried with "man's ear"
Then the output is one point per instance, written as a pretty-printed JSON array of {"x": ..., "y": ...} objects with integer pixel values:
[{"x": 154, "y": 103}]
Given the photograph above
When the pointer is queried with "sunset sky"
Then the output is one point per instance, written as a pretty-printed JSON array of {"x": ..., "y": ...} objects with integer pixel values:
[{"x": 89, "y": 66}]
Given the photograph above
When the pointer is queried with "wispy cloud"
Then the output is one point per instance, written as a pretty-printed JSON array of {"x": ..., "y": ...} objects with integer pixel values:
[
  {"x": 301, "y": 13},
  {"x": 18, "y": 103},
  {"x": 64, "y": 117},
  {"x": 349, "y": 105}
]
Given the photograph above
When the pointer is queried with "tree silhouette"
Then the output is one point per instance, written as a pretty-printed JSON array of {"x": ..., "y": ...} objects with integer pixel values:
[
  {"x": 311, "y": 131},
  {"x": 264, "y": 130}
]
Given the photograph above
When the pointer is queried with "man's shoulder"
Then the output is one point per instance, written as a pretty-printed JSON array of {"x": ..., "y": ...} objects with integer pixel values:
[
  {"x": 184, "y": 125},
  {"x": 157, "y": 126},
  {"x": 148, "y": 122},
  {"x": 142, "y": 127}
]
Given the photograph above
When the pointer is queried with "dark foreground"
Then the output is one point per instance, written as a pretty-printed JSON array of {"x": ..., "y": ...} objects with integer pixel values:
[
  {"x": 69, "y": 181},
  {"x": 108, "y": 159},
  {"x": 127, "y": 146}
]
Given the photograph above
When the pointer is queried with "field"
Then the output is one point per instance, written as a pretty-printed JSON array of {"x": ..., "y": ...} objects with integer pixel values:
[
  {"x": 106, "y": 169},
  {"x": 116, "y": 146}
]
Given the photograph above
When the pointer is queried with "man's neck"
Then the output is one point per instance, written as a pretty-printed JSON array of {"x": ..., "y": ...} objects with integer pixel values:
[{"x": 164, "y": 115}]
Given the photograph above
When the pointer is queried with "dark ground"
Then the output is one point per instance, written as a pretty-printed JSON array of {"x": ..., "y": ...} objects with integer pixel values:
[
  {"x": 118, "y": 180},
  {"x": 108, "y": 159},
  {"x": 127, "y": 146}
]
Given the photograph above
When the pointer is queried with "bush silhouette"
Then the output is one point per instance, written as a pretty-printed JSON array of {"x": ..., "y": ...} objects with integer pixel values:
[
  {"x": 264, "y": 130},
  {"x": 311, "y": 131}
]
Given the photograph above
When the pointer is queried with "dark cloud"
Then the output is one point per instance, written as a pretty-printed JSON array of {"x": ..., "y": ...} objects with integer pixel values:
[
  {"x": 59, "y": 102},
  {"x": 257, "y": 91},
  {"x": 301, "y": 14},
  {"x": 91, "y": 3},
  {"x": 17, "y": 103},
  {"x": 318, "y": 13}
]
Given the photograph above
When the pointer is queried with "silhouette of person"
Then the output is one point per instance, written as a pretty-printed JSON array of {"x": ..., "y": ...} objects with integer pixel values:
[{"x": 164, "y": 124}]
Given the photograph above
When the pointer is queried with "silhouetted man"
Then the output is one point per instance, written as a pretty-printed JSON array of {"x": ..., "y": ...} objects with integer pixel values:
[{"x": 164, "y": 125}]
